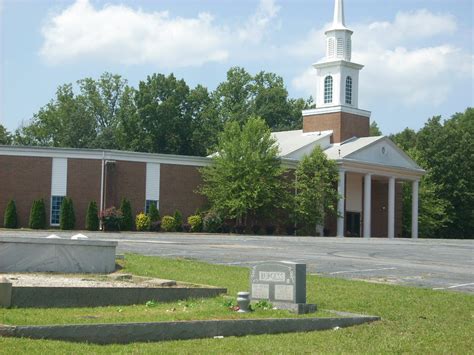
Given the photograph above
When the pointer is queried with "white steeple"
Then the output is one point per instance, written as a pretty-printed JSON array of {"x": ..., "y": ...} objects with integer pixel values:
[
  {"x": 338, "y": 22},
  {"x": 337, "y": 76}
]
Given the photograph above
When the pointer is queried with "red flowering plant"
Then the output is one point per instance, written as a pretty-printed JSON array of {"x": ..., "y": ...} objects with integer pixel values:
[{"x": 111, "y": 218}]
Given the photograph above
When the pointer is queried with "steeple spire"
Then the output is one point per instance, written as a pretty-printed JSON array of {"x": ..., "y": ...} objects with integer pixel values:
[{"x": 338, "y": 22}]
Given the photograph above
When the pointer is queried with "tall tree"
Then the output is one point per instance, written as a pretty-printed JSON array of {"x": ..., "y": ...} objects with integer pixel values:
[
  {"x": 163, "y": 114},
  {"x": 87, "y": 119},
  {"x": 245, "y": 177},
  {"x": 5, "y": 137},
  {"x": 374, "y": 129},
  {"x": 316, "y": 197},
  {"x": 263, "y": 95}
]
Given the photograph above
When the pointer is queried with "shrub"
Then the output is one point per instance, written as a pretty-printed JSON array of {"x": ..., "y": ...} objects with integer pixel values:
[
  {"x": 111, "y": 219},
  {"x": 38, "y": 215},
  {"x": 226, "y": 228},
  {"x": 195, "y": 223},
  {"x": 186, "y": 227},
  {"x": 92, "y": 219},
  {"x": 142, "y": 221},
  {"x": 155, "y": 226},
  {"x": 153, "y": 213},
  {"x": 239, "y": 228},
  {"x": 168, "y": 224},
  {"x": 270, "y": 229},
  {"x": 67, "y": 219},
  {"x": 126, "y": 223},
  {"x": 212, "y": 222},
  {"x": 255, "y": 229},
  {"x": 10, "y": 219},
  {"x": 178, "y": 221}
]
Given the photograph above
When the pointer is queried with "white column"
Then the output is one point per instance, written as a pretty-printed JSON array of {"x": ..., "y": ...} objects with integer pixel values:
[
  {"x": 367, "y": 204},
  {"x": 414, "y": 210},
  {"x": 391, "y": 207},
  {"x": 340, "y": 203}
]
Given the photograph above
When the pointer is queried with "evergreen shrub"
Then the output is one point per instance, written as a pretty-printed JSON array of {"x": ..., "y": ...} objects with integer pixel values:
[
  {"x": 67, "y": 219},
  {"x": 142, "y": 222},
  {"x": 178, "y": 221},
  {"x": 92, "y": 218},
  {"x": 153, "y": 213},
  {"x": 126, "y": 223},
  {"x": 168, "y": 224},
  {"x": 38, "y": 215},
  {"x": 10, "y": 219},
  {"x": 195, "y": 223}
]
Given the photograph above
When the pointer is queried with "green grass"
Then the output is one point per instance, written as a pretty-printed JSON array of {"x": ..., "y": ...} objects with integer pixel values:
[{"x": 414, "y": 319}]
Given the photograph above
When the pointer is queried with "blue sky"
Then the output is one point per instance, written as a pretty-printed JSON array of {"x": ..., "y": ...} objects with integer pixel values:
[{"x": 418, "y": 54}]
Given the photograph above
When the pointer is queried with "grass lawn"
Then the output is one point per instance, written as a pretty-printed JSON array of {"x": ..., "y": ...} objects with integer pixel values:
[{"x": 414, "y": 319}]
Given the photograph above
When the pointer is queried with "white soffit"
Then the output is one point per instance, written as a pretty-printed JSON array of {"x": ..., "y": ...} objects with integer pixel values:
[
  {"x": 152, "y": 181},
  {"x": 59, "y": 177}
]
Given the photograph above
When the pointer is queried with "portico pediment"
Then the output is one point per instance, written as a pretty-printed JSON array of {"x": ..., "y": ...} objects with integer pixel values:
[{"x": 383, "y": 151}]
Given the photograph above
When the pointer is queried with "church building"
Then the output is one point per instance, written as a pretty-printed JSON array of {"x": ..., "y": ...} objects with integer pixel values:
[{"x": 371, "y": 169}]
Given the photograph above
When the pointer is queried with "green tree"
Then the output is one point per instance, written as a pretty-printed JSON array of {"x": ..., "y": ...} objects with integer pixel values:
[
  {"x": 38, "y": 215},
  {"x": 153, "y": 213},
  {"x": 405, "y": 139},
  {"x": 67, "y": 218},
  {"x": 374, "y": 129},
  {"x": 265, "y": 95},
  {"x": 163, "y": 115},
  {"x": 126, "y": 224},
  {"x": 87, "y": 119},
  {"x": 245, "y": 177},
  {"x": 10, "y": 219},
  {"x": 433, "y": 210},
  {"x": 92, "y": 217},
  {"x": 178, "y": 221},
  {"x": 5, "y": 137},
  {"x": 447, "y": 150},
  {"x": 316, "y": 196}
]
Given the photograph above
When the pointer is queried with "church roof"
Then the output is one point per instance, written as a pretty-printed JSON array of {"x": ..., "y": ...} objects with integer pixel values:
[
  {"x": 294, "y": 144},
  {"x": 344, "y": 149}
]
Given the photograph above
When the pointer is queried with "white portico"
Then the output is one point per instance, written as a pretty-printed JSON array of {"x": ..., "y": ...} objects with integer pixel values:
[{"x": 371, "y": 169}]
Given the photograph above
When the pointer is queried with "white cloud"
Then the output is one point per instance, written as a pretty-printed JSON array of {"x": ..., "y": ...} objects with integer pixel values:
[
  {"x": 258, "y": 24},
  {"x": 398, "y": 63},
  {"x": 121, "y": 34}
]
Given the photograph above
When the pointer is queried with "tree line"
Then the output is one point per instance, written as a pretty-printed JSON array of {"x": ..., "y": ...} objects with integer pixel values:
[
  {"x": 162, "y": 115},
  {"x": 445, "y": 149}
]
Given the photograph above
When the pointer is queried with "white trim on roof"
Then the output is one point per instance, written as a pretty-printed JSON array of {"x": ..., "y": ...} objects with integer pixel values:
[
  {"x": 333, "y": 109},
  {"x": 47, "y": 152}
]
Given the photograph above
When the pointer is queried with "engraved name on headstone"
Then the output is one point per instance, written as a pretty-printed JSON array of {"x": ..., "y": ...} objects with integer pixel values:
[{"x": 279, "y": 282}]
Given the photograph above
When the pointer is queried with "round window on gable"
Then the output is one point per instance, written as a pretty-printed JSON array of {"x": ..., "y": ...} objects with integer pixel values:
[{"x": 384, "y": 150}]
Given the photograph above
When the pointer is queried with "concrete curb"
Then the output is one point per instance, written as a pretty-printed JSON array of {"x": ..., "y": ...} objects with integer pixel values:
[
  {"x": 161, "y": 331},
  {"x": 41, "y": 297}
]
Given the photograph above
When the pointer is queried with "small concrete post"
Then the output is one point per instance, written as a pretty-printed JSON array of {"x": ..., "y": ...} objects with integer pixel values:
[
  {"x": 5, "y": 292},
  {"x": 243, "y": 300}
]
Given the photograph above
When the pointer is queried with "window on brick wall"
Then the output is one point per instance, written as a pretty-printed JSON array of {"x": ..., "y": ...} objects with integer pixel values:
[
  {"x": 148, "y": 203},
  {"x": 56, "y": 209}
]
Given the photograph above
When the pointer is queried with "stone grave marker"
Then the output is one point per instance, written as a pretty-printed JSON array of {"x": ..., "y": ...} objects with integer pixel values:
[{"x": 282, "y": 283}]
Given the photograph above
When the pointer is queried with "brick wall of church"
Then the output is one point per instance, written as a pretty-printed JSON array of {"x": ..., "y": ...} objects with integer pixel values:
[
  {"x": 24, "y": 179},
  {"x": 344, "y": 125},
  {"x": 178, "y": 185}
]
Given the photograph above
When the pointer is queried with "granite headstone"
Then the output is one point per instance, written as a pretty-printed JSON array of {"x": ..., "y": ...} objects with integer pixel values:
[{"x": 282, "y": 283}]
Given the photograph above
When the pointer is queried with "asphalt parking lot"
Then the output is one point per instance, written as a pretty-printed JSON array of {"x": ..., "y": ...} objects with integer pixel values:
[{"x": 432, "y": 263}]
